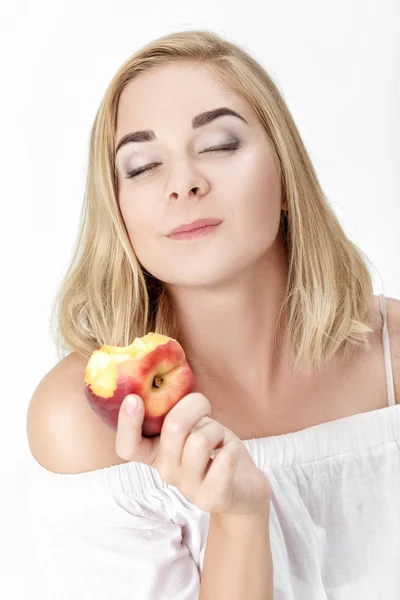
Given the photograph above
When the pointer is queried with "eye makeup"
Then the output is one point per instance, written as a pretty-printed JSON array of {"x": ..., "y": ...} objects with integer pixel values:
[{"x": 229, "y": 147}]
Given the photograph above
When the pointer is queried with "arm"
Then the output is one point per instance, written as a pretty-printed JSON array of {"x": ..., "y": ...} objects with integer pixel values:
[
  {"x": 238, "y": 559},
  {"x": 98, "y": 528}
]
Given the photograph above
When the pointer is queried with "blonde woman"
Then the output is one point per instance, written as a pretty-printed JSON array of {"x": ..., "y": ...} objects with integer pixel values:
[{"x": 278, "y": 477}]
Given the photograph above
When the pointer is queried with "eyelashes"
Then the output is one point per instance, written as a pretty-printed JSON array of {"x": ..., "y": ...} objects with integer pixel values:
[{"x": 231, "y": 147}]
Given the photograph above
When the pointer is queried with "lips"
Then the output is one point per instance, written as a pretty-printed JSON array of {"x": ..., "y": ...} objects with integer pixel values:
[{"x": 195, "y": 225}]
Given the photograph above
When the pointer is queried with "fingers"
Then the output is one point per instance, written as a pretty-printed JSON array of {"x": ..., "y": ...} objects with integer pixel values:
[
  {"x": 217, "y": 488},
  {"x": 196, "y": 460},
  {"x": 165, "y": 451},
  {"x": 175, "y": 430}
]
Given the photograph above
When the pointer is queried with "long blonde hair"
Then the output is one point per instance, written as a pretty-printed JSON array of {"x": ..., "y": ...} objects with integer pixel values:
[{"x": 106, "y": 297}]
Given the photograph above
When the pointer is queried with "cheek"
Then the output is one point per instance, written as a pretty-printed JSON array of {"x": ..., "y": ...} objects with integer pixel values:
[
  {"x": 138, "y": 216},
  {"x": 267, "y": 196},
  {"x": 259, "y": 195},
  {"x": 144, "y": 230}
]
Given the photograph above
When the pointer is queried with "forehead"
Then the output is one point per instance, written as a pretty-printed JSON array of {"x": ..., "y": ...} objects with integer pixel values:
[{"x": 175, "y": 91}]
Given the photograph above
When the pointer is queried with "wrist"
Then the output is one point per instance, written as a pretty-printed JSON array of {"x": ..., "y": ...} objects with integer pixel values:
[{"x": 229, "y": 522}]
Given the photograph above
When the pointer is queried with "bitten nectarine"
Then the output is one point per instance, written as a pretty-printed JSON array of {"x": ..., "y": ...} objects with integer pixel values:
[{"x": 154, "y": 367}]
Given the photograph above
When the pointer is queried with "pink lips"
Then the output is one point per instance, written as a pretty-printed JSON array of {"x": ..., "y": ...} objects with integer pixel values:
[
  {"x": 200, "y": 223},
  {"x": 187, "y": 235}
]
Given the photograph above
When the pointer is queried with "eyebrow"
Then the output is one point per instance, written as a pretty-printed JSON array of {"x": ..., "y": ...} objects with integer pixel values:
[{"x": 200, "y": 120}]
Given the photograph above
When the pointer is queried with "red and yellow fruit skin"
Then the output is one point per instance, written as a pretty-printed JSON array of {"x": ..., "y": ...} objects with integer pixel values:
[{"x": 166, "y": 362}]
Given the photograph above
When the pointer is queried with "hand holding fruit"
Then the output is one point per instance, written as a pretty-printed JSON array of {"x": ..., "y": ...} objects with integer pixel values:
[
  {"x": 154, "y": 368},
  {"x": 230, "y": 483}
]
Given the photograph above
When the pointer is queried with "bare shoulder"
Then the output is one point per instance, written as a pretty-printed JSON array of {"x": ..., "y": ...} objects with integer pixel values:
[
  {"x": 393, "y": 323},
  {"x": 64, "y": 434},
  {"x": 393, "y": 312}
]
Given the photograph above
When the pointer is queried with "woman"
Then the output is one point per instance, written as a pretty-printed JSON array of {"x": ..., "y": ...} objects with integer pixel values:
[{"x": 290, "y": 350}]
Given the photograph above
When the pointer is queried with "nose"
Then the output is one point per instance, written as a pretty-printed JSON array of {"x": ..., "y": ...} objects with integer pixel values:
[
  {"x": 182, "y": 193},
  {"x": 186, "y": 181}
]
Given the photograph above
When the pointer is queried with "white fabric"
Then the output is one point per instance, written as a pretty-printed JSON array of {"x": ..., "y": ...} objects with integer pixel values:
[{"x": 121, "y": 533}]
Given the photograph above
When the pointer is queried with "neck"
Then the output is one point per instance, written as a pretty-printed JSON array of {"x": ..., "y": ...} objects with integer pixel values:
[{"x": 229, "y": 330}]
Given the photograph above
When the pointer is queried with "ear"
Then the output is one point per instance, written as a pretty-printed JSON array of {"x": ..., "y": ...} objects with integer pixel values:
[{"x": 393, "y": 321}]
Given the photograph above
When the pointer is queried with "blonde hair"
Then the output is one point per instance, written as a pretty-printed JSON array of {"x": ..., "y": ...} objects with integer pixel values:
[{"x": 106, "y": 297}]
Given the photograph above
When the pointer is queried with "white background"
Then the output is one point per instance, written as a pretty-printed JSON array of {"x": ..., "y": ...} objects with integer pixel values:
[{"x": 337, "y": 65}]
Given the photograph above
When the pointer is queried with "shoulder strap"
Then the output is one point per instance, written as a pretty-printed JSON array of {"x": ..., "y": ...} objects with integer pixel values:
[{"x": 386, "y": 352}]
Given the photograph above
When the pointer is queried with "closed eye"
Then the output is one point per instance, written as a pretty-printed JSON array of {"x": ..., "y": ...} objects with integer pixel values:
[{"x": 226, "y": 148}]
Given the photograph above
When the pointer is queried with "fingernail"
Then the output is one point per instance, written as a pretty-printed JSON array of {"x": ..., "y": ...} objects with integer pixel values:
[{"x": 131, "y": 404}]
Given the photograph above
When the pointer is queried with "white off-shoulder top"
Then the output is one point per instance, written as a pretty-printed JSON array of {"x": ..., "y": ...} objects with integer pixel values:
[{"x": 122, "y": 533}]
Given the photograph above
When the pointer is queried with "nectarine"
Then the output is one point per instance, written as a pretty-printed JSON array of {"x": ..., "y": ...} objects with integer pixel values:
[{"x": 154, "y": 367}]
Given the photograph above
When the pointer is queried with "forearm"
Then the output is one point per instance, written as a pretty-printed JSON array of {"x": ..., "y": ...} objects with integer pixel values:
[{"x": 237, "y": 560}]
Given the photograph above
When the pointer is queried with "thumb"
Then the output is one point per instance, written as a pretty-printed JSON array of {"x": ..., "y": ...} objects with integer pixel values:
[
  {"x": 132, "y": 404},
  {"x": 129, "y": 429}
]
